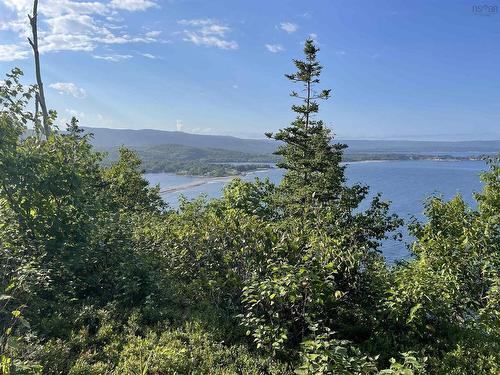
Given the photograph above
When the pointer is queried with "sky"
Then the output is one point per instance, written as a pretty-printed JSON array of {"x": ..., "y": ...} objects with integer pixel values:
[{"x": 422, "y": 70}]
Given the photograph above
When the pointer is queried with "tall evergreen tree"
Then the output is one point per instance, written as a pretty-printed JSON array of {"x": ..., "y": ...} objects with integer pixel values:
[{"x": 314, "y": 176}]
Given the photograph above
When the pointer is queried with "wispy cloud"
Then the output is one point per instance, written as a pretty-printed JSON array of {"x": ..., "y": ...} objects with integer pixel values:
[
  {"x": 75, "y": 113},
  {"x": 12, "y": 52},
  {"x": 104, "y": 121},
  {"x": 64, "y": 118},
  {"x": 69, "y": 88},
  {"x": 71, "y": 25},
  {"x": 288, "y": 27},
  {"x": 179, "y": 125},
  {"x": 153, "y": 34},
  {"x": 112, "y": 58},
  {"x": 150, "y": 56},
  {"x": 314, "y": 36},
  {"x": 274, "y": 48},
  {"x": 133, "y": 5},
  {"x": 207, "y": 32}
]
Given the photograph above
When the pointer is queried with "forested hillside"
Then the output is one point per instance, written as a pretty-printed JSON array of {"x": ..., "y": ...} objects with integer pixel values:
[
  {"x": 188, "y": 160},
  {"x": 193, "y": 155},
  {"x": 108, "y": 138},
  {"x": 216, "y": 162},
  {"x": 98, "y": 276}
]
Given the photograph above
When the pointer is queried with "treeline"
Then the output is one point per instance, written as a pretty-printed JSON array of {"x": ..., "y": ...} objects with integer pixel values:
[
  {"x": 99, "y": 276},
  {"x": 399, "y": 156},
  {"x": 186, "y": 160},
  {"x": 198, "y": 168}
]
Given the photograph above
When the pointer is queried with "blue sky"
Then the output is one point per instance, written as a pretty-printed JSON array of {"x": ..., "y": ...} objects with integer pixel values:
[{"x": 397, "y": 69}]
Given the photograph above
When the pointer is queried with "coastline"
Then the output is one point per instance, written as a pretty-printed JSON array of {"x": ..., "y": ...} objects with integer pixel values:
[
  {"x": 202, "y": 180},
  {"x": 199, "y": 182}
]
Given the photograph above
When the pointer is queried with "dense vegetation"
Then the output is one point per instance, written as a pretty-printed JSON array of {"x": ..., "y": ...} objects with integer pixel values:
[
  {"x": 186, "y": 160},
  {"x": 98, "y": 276}
]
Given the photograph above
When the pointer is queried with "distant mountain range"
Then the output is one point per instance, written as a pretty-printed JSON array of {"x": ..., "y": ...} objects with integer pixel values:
[{"x": 110, "y": 138}]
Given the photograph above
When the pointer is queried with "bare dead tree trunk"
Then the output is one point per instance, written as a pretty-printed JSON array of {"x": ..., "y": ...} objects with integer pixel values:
[{"x": 34, "y": 44}]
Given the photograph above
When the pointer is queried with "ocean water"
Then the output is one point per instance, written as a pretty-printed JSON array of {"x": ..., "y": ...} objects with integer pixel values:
[{"x": 406, "y": 184}]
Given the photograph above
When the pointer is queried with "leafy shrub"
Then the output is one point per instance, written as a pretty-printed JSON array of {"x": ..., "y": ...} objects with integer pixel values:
[{"x": 190, "y": 351}]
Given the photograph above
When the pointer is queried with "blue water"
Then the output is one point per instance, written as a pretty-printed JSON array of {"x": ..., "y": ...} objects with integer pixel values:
[{"x": 405, "y": 183}]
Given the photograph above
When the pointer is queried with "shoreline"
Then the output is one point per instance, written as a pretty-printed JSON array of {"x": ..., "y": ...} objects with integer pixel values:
[
  {"x": 199, "y": 182},
  {"x": 203, "y": 180}
]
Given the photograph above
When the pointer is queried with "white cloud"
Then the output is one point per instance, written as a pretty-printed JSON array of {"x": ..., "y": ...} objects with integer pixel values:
[
  {"x": 74, "y": 113},
  {"x": 153, "y": 34},
  {"x": 196, "y": 22},
  {"x": 112, "y": 58},
  {"x": 289, "y": 27},
  {"x": 104, "y": 121},
  {"x": 313, "y": 36},
  {"x": 51, "y": 8},
  {"x": 133, "y": 5},
  {"x": 69, "y": 88},
  {"x": 209, "y": 41},
  {"x": 179, "y": 125},
  {"x": 274, "y": 48},
  {"x": 73, "y": 25},
  {"x": 149, "y": 56},
  {"x": 12, "y": 52},
  {"x": 207, "y": 32},
  {"x": 64, "y": 118}
]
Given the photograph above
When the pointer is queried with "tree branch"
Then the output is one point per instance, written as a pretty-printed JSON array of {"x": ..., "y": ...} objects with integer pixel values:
[{"x": 34, "y": 45}]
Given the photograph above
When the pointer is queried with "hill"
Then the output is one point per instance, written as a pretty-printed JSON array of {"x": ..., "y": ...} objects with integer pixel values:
[
  {"x": 105, "y": 138},
  {"x": 188, "y": 160}
]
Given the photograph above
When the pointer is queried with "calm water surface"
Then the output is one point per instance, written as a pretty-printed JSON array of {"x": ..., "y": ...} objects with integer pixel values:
[{"x": 405, "y": 183}]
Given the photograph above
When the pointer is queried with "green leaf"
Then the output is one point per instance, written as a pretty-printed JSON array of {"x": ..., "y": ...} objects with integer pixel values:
[{"x": 413, "y": 312}]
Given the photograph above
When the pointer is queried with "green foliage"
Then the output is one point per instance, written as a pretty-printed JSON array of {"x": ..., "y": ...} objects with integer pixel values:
[
  {"x": 129, "y": 189},
  {"x": 322, "y": 262},
  {"x": 314, "y": 175},
  {"x": 67, "y": 222},
  {"x": 326, "y": 355},
  {"x": 411, "y": 366},
  {"x": 190, "y": 351},
  {"x": 14, "y": 97},
  {"x": 99, "y": 276},
  {"x": 446, "y": 300},
  {"x": 173, "y": 158}
]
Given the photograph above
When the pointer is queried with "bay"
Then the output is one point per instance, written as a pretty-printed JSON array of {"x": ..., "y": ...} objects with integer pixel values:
[{"x": 407, "y": 184}]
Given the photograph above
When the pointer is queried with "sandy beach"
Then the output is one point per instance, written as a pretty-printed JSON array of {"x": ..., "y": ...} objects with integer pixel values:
[{"x": 199, "y": 182}]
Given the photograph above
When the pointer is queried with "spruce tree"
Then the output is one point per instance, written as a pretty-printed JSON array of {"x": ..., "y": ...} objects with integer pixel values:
[{"x": 314, "y": 177}]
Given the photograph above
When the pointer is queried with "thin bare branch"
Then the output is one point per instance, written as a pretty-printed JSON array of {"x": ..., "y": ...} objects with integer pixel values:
[{"x": 34, "y": 45}]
